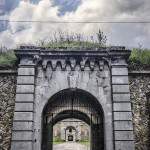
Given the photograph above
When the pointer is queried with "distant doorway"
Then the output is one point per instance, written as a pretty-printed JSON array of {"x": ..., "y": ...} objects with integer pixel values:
[{"x": 70, "y": 138}]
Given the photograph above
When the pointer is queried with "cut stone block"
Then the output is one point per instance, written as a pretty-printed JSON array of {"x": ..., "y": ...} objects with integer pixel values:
[
  {"x": 23, "y": 135},
  {"x": 22, "y": 126},
  {"x": 24, "y": 107},
  {"x": 24, "y": 97},
  {"x": 119, "y": 71},
  {"x": 123, "y": 125},
  {"x": 122, "y": 106},
  {"x": 124, "y": 135},
  {"x": 120, "y": 80},
  {"x": 25, "y": 80},
  {"x": 124, "y": 145},
  {"x": 21, "y": 145},
  {"x": 26, "y": 71},
  {"x": 121, "y": 89},
  {"x": 122, "y": 116},
  {"x": 121, "y": 97},
  {"x": 24, "y": 116},
  {"x": 25, "y": 89}
]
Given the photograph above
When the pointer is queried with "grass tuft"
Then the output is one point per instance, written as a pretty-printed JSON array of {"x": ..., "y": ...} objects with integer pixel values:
[
  {"x": 8, "y": 59},
  {"x": 140, "y": 56}
]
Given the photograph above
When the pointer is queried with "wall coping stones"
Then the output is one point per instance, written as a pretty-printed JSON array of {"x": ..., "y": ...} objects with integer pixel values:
[
  {"x": 142, "y": 72},
  {"x": 26, "y": 51},
  {"x": 8, "y": 72},
  {"x": 31, "y": 55}
]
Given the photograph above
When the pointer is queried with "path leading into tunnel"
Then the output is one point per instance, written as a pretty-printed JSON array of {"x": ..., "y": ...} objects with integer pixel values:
[{"x": 70, "y": 146}]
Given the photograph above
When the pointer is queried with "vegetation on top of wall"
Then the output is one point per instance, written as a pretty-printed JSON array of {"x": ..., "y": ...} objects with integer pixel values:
[
  {"x": 66, "y": 40},
  {"x": 7, "y": 60},
  {"x": 139, "y": 59},
  {"x": 140, "y": 56},
  {"x": 73, "y": 44}
]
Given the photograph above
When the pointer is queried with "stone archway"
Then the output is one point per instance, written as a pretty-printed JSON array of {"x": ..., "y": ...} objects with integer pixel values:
[
  {"x": 78, "y": 104},
  {"x": 103, "y": 72}
]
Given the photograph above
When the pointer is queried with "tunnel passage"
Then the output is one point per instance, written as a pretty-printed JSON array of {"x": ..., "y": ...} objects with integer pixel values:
[{"x": 77, "y": 104}]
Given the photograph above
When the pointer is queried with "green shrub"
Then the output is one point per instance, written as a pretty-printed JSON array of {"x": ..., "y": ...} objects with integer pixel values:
[
  {"x": 8, "y": 59},
  {"x": 140, "y": 56}
]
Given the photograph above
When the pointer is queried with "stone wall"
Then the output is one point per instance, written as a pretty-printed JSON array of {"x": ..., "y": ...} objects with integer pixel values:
[
  {"x": 7, "y": 99},
  {"x": 139, "y": 87}
]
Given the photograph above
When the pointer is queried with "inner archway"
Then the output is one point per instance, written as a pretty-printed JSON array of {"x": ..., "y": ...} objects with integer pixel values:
[{"x": 75, "y": 104}]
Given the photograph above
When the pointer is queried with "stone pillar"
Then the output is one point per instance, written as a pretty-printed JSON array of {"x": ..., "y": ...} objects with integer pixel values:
[
  {"x": 122, "y": 115},
  {"x": 22, "y": 134}
]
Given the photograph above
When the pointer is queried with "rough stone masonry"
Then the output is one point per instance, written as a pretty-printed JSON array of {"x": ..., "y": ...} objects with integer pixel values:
[{"x": 7, "y": 102}]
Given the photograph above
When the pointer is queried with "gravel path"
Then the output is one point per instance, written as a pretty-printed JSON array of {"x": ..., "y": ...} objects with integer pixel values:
[{"x": 70, "y": 146}]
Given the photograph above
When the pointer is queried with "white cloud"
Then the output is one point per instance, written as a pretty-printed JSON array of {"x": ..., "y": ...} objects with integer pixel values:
[{"x": 89, "y": 10}]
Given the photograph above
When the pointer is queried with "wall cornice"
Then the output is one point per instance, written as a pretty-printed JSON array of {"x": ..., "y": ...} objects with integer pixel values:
[{"x": 96, "y": 57}]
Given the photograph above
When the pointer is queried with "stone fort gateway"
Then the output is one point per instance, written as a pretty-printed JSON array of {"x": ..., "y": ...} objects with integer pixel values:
[{"x": 72, "y": 95}]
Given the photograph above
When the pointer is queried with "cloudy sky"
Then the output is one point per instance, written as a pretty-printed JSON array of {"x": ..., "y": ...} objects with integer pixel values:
[{"x": 130, "y": 35}]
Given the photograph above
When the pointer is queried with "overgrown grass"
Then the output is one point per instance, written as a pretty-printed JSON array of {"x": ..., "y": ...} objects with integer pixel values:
[
  {"x": 8, "y": 59},
  {"x": 57, "y": 140},
  {"x": 140, "y": 56},
  {"x": 86, "y": 143},
  {"x": 72, "y": 40},
  {"x": 73, "y": 44}
]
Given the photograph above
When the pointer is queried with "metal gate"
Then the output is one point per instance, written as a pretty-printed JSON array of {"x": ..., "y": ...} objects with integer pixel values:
[{"x": 75, "y": 104}]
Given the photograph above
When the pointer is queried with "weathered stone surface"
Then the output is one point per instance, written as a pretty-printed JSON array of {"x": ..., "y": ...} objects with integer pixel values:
[
  {"x": 50, "y": 82},
  {"x": 99, "y": 86},
  {"x": 121, "y": 89},
  {"x": 22, "y": 126},
  {"x": 22, "y": 135},
  {"x": 26, "y": 116},
  {"x": 123, "y": 125},
  {"x": 120, "y": 80},
  {"x": 119, "y": 71},
  {"x": 124, "y": 145},
  {"x": 24, "y": 107},
  {"x": 139, "y": 86},
  {"x": 121, "y": 97},
  {"x": 24, "y": 97},
  {"x": 122, "y": 116},
  {"x": 7, "y": 99},
  {"x": 124, "y": 135},
  {"x": 25, "y": 80},
  {"x": 25, "y": 89},
  {"x": 26, "y": 71},
  {"x": 21, "y": 145},
  {"x": 122, "y": 106}
]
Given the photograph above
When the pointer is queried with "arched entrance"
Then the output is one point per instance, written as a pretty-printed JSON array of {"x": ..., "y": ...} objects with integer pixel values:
[{"x": 77, "y": 104}]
